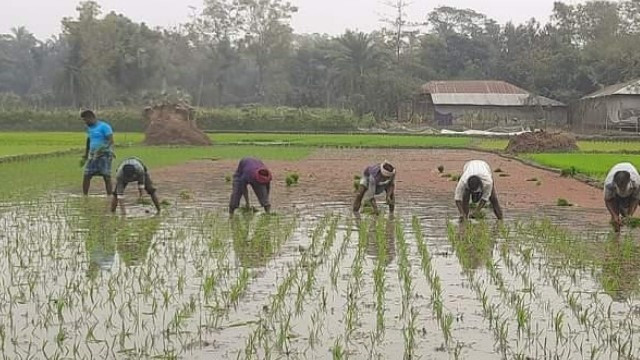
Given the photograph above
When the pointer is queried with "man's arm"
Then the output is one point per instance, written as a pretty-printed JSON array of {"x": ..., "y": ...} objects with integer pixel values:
[
  {"x": 497, "y": 210},
  {"x": 463, "y": 205},
  {"x": 615, "y": 215},
  {"x": 110, "y": 140},
  {"x": 358, "y": 200},
  {"x": 391, "y": 197},
  {"x": 86, "y": 149},
  {"x": 154, "y": 198}
]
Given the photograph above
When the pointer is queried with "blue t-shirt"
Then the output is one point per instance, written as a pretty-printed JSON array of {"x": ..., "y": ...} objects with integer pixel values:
[{"x": 98, "y": 134}]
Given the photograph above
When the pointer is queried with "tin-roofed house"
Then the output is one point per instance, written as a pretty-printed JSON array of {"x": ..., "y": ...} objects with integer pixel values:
[
  {"x": 615, "y": 107},
  {"x": 486, "y": 104}
]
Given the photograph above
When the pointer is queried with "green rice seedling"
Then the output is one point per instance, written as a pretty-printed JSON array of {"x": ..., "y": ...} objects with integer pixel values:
[
  {"x": 632, "y": 222},
  {"x": 446, "y": 175},
  {"x": 533, "y": 179},
  {"x": 185, "y": 195},
  {"x": 337, "y": 351},
  {"x": 440, "y": 169},
  {"x": 569, "y": 172},
  {"x": 538, "y": 183},
  {"x": 504, "y": 175},
  {"x": 563, "y": 202},
  {"x": 498, "y": 170},
  {"x": 455, "y": 177},
  {"x": 227, "y": 178}
]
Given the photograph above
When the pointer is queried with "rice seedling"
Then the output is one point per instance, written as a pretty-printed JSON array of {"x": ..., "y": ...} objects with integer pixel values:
[
  {"x": 440, "y": 169},
  {"x": 563, "y": 202}
]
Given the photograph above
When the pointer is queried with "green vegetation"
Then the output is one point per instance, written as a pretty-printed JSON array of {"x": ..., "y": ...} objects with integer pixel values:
[
  {"x": 250, "y": 117},
  {"x": 593, "y": 165},
  {"x": 29, "y": 178},
  {"x": 563, "y": 202}
]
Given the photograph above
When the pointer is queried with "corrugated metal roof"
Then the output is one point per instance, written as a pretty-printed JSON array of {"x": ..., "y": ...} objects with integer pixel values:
[
  {"x": 471, "y": 87},
  {"x": 494, "y": 100},
  {"x": 483, "y": 93},
  {"x": 629, "y": 88}
]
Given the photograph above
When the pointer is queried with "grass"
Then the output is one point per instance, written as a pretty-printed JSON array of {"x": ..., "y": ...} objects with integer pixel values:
[
  {"x": 593, "y": 165},
  {"x": 27, "y": 179}
]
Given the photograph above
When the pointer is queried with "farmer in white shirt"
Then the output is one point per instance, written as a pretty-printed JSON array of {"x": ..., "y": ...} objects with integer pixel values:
[
  {"x": 476, "y": 185},
  {"x": 621, "y": 192}
]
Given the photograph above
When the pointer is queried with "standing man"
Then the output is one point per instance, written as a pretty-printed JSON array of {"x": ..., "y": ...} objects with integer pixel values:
[
  {"x": 476, "y": 185},
  {"x": 98, "y": 152},
  {"x": 252, "y": 172},
  {"x": 621, "y": 192},
  {"x": 130, "y": 170},
  {"x": 376, "y": 179}
]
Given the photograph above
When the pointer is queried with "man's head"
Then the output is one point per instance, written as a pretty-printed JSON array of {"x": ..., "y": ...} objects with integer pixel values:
[
  {"x": 387, "y": 170},
  {"x": 88, "y": 116},
  {"x": 263, "y": 176},
  {"x": 129, "y": 172},
  {"x": 475, "y": 187},
  {"x": 621, "y": 180}
]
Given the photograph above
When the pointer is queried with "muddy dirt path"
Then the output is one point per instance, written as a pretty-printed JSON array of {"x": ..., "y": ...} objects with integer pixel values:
[{"x": 327, "y": 176}]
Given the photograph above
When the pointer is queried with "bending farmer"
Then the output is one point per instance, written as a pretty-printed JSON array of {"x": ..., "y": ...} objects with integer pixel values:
[
  {"x": 476, "y": 185},
  {"x": 251, "y": 172},
  {"x": 376, "y": 179},
  {"x": 130, "y": 170},
  {"x": 98, "y": 152},
  {"x": 621, "y": 192}
]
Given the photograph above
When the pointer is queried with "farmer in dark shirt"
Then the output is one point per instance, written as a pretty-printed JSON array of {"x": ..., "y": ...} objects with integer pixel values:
[
  {"x": 98, "y": 153},
  {"x": 130, "y": 170},
  {"x": 376, "y": 179},
  {"x": 251, "y": 172}
]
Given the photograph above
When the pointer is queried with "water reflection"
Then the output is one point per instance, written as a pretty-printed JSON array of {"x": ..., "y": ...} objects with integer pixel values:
[
  {"x": 257, "y": 238},
  {"x": 134, "y": 238},
  {"x": 381, "y": 230},
  {"x": 620, "y": 268},
  {"x": 108, "y": 237},
  {"x": 474, "y": 244}
]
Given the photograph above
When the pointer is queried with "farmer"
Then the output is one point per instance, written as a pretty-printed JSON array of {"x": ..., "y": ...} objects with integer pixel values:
[
  {"x": 376, "y": 179},
  {"x": 130, "y": 170},
  {"x": 98, "y": 152},
  {"x": 621, "y": 192},
  {"x": 252, "y": 172},
  {"x": 476, "y": 185}
]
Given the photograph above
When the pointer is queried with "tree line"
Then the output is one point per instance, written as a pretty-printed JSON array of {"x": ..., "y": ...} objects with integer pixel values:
[{"x": 238, "y": 52}]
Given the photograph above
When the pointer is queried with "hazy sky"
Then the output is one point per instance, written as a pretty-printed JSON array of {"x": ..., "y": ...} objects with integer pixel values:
[{"x": 43, "y": 17}]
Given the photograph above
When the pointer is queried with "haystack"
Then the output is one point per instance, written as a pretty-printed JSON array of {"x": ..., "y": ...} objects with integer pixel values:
[
  {"x": 173, "y": 124},
  {"x": 542, "y": 141}
]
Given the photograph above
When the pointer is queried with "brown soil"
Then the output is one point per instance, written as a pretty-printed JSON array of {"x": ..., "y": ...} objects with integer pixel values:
[
  {"x": 327, "y": 176},
  {"x": 173, "y": 125},
  {"x": 542, "y": 141}
]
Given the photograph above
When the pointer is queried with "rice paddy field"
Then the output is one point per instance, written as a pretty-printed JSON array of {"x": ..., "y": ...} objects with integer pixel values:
[{"x": 310, "y": 281}]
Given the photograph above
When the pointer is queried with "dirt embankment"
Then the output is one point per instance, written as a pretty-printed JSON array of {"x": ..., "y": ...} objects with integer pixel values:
[
  {"x": 173, "y": 125},
  {"x": 542, "y": 141}
]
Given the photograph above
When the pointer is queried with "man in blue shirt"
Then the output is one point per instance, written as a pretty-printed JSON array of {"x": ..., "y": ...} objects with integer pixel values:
[{"x": 98, "y": 153}]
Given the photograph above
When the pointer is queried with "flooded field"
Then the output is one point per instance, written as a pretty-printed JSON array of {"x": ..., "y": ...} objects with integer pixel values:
[{"x": 312, "y": 282}]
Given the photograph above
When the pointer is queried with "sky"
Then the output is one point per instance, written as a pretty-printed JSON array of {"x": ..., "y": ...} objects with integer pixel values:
[{"x": 42, "y": 17}]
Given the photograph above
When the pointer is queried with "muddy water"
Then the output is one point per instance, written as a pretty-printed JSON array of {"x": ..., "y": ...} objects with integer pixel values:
[{"x": 80, "y": 283}]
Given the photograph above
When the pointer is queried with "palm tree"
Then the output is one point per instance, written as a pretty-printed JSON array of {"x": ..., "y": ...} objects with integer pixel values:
[{"x": 354, "y": 56}]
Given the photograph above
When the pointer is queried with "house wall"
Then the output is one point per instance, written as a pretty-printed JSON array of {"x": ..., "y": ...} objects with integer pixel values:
[
  {"x": 485, "y": 117},
  {"x": 616, "y": 112}
]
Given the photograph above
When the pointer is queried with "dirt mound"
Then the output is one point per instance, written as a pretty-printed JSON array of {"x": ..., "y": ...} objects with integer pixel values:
[
  {"x": 542, "y": 141},
  {"x": 173, "y": 124}
]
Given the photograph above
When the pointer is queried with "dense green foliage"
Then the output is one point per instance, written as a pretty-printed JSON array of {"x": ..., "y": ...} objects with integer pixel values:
[
  {"x": 245, "y": 118},
  {"x": 237, "y": 52}
]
